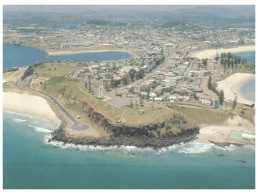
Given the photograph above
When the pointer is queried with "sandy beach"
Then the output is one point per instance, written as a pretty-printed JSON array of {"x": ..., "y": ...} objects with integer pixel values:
[
  {"x": 212, "y": 52},
  {"x": 220, "y": 134},
  {"x": 231, "y": 86},
  {"x": 87, "y": 51},
  {"x": 29, "y": 104}
]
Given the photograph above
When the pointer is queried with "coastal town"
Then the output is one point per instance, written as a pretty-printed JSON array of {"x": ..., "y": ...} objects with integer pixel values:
[
  {"x": 129, "y": 96},
  {"x": 168, "y": 67}
]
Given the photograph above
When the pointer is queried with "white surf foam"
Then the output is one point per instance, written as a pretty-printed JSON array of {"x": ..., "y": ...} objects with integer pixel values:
[
  {"x": 40, "y": 129},
  {"x": 250, "y": 147},
  {"x": 19, "y": 120},
  {"x": 195, "y": 148},
  {"x": 87, "y": 148},
  {"x": 182, "y": 148}
]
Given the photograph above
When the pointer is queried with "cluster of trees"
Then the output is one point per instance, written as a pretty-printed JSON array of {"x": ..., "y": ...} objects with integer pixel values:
[
  {"x": 134, "y": 75},
  {"x": 28, "y": 72},
  {"x": 229, "y": 60},
  {"x": 213, "y": 87},
  {"x": 131, "y": 76},
  {"x": 155, "y": 63}
]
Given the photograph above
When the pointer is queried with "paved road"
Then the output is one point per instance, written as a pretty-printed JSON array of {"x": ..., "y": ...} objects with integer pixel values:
[
  {"x": 206, "y": 90},
  {"x": 76, "y": 125},
  {"x": 216, "y": 105}
]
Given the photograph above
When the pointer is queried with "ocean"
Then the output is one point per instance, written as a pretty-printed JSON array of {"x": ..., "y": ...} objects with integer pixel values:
[
  {"x": 31, "y": 162},
  {"x": 248, "y": 90}
]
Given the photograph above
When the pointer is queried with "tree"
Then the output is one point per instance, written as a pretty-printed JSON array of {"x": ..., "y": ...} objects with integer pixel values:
[
  {"x": 131, "y": 104},
  {"x": 204, "y": 62},
  {"x": 132, "y": 74},
  {"x": 125, "y": 80},
  {"x": 140, "y": 74},
  {"x": 112, "y": 82},
  {"x": 86, "y": 84},
  {"x": 141, "y": 101},
  {"x": 217, "y": 57},
  {"x": 234, "y": 103},
  {"x": 89, "y": 83},
  {"x": 209, "y": 83},
  {"x": 221, "y": 97},
  {"x": 222, "y": 61}
]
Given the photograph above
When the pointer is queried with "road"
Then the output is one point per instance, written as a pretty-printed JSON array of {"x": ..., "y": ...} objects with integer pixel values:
[
  {"x": 206, "y": 90},
  {"x": 216, "y": 105},
  {"x": 76, "y": 125}
]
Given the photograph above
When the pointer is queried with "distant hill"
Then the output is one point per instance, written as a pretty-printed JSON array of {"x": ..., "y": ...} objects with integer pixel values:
[{"x": 207, "y": 15}]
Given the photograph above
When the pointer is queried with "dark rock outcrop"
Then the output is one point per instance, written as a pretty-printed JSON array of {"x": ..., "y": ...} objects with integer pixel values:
[
  {"x": 139, "y": 136},
  {"x": 142, "y": 142}
]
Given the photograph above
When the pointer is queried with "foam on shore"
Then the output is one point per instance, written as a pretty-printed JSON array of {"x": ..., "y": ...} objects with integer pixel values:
[{"x": 183, "y": 148}]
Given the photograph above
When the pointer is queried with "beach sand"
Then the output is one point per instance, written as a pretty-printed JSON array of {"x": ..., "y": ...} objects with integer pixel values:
[
  {"x": 88, "y": 51},
  {"x": 212, "y": 52},
  {"x": 29, "y": 104},
  {"x": 220, "y": 134},
  {"x": 231, "y": 86}
]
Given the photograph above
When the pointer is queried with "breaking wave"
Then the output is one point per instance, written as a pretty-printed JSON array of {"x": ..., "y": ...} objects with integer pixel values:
[
  {"x": 40, "y": 129},
  {"x": 183, "y": 148},
  {"x": 19, "y": 120}
]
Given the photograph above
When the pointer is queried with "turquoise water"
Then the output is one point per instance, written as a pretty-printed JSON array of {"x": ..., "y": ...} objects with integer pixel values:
[
  {"x": 249, "y": 56},
  {"x": 248, "y": 90},
  {"x": 19, "y": 56},
  {"x": 29, "y": 161}
]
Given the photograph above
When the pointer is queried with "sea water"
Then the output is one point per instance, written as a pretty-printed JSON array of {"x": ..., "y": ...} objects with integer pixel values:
[
  {"x": 248, "y": 89},
  {"x": 30, "y": 161}
]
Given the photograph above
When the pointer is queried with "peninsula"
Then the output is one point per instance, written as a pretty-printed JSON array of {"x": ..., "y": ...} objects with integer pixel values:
[{"x": 179, "y": 85}]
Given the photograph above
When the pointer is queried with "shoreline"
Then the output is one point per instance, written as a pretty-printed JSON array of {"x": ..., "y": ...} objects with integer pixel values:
[
  {"x": 209, "y": 53},
  {"x": 67, "y": 136},
  {"x": 231, "y": 87},
  {"x": 37, "y": 106},
  {"x": 240, "y": 93},
  {"x": 223, "y": 134},
  {"x": 51, "y": 53}
]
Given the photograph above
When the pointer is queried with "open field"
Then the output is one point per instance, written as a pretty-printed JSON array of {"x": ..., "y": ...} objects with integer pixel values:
[
  {"x": 69, "y": 91},
  {"x": 202, "y": 116},
  {"x": 247, "y": 113}
]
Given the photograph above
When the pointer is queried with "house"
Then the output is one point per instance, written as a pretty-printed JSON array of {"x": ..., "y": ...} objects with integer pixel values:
[
  {"x": 152, "y": 95},
  {"x": 136, "y": 91},
  {"x": 144, "y": 93},
  {"x": 206, "y": 102},
  {"x": 172, "y": 97}
]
